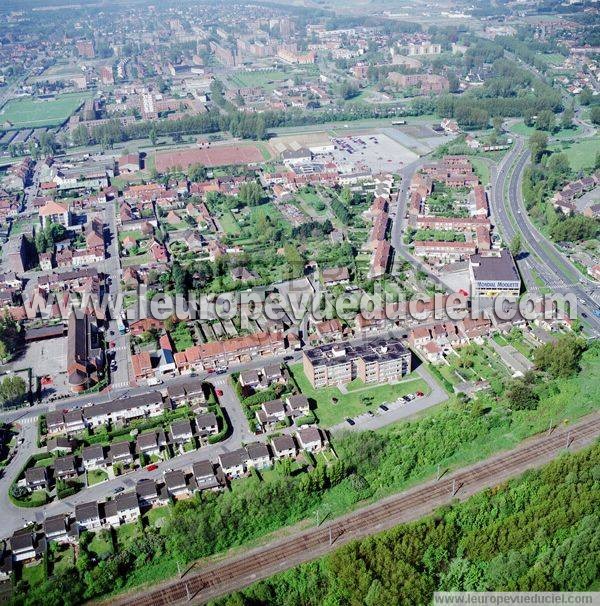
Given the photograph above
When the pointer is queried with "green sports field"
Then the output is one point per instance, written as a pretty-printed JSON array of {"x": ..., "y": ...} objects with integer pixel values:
[
  {"x": 36, "y": 113},
  {"x": 262, "y": 78}
]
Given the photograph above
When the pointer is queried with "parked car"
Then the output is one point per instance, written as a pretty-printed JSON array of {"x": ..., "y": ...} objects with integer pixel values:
[
  {"x": 420, "y": 394},
  {"x": 383, "y": 408},
  {"x": 152, "y": 467},
  {"x": 219, "y": 392},
  {"x": 350, "y": 422},
  {"x": 118, "y": 489}
]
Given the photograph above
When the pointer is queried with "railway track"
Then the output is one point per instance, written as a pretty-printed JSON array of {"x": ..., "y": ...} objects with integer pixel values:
[{"x": 230, "y": 575}]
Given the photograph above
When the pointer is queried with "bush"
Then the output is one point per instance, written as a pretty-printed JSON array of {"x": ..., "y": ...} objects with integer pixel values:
[
  {"x": 308, "y": 419},
  {"x": 67, "y": 489},
  {"x": 224, "y": 427}
]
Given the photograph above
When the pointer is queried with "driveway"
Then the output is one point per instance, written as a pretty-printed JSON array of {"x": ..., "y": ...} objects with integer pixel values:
[{"x": 400, "y": 410}]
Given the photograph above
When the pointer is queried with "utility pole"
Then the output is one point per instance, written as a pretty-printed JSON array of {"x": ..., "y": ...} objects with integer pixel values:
[
  {"x": 550, "y": 427},
  {"x": 317, "y": 517},
  {"x": 454, "y": 487},
  {"x": 437, "y": 477},
  {"x": 569, "y": 440},
  {"x": 330, "y": 538},
  {"x": 178, "y": 569},
  {"x": 187, "y": 590}
]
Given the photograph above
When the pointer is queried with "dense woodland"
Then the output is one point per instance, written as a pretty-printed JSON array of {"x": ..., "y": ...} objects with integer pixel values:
[
  {"x": 538, "y": 533},
  {"x": 375, "y": 465}
]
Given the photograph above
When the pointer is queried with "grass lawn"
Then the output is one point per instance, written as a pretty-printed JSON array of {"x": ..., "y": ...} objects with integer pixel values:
[
  {"x": 518, "y": 342},
  {"x": 19, "y": 226},
  {"x": 264, "y": 150},
  {"x": 126, "y": 534},
  {"x": 37, "y": 498},
  {"x": 552, "y": 58},
  {"x": 448, "y": 373},
  {"x": 265, "y": 210},
  {"x": 568, "y": 133},
  {"x": 262, "y": 78},
  {"x": 34, "y": 575},
  {"x": 44, "y": 462},
  {"x": 482, "y": 364},
  {"x": 157, "y": 515},
  {"x": 182, "y": 337},
  {"x": 101, "y": 545},
  {"x": 581, "y": 154},
  {"x": 138, "y": 260},
  {"x": 95, "y": 476},
  {"x": 482, "y": 169},
  {"x": 312, "y": 200},
  {"x": 135, "y": 233},
  {"x": 229, "y": 224},
  {"x": 62, "y": 560},
  {"x": 500, "y": 339},
  {"x": 35, "y": 113},
  {"x": 359, "y": 399}
]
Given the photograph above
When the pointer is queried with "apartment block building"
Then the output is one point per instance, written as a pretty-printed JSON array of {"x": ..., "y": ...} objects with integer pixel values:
[{"x": 377, "y": 361}]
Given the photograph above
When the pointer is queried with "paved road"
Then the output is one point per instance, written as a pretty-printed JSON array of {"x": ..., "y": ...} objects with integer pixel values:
[
  {"x": 556, "y": 271},
  {"x": 399, "y": 411},
  {"x": 15, "y": 517},
  {"x": 400, "y": 223},
  {"x": 209, "y": 579},
  {"x": 123, "y": 375}
]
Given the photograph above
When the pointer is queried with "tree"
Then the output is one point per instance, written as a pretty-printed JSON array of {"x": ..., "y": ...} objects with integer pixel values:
[
  {"x": 545, "y": 120},
  {"x": 179, "y": 276},
  {"x": 522, "y": 396},
  {"x": 348, "y": 90},
  {"x": 567, "y": 118},
  {"x": 560, "y": 358},
  {"x": 515, "y": 245},
  {"x": 586, "y": 96},
  {"x": 595, "y": 114},
  {"x": 41, "y": 242},
  {"x": 9, "y": 337},
  {"x": 197, "y": 173},
  {"x": 80, "y": 135},
  {"x": 251, "y": 193},
  {"x": 12, "y": 389},
  {"x": 559, "y": 168},
  {"x": 574, "y": 229},
  {"x": 537, "y": 144}
]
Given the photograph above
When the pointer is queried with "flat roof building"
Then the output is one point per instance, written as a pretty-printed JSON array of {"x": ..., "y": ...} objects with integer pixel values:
[
  {"x": 493, "y": 273},
  {"x": 376, "y": 361}
]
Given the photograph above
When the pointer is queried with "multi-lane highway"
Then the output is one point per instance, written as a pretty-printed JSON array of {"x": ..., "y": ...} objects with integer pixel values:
[{"x": 541, "y": 263}]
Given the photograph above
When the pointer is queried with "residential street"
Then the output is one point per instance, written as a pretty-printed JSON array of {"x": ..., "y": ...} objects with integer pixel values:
[
  {"x": 14, "y": 517},
  {"x": 231, "y": 573}
]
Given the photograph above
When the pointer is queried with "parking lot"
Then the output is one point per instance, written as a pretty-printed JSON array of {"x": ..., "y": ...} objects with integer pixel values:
[
  {"x": 46, "y": 358},
  {"x": 374, "y": 152},
  {"x": 397, "y": 410}
]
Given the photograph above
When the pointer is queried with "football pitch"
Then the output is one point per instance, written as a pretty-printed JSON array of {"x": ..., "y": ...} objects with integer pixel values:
[{"x": 36, "y": 113}]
